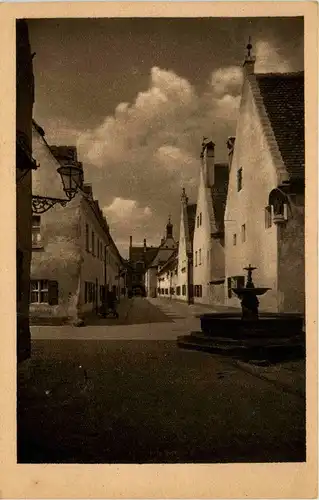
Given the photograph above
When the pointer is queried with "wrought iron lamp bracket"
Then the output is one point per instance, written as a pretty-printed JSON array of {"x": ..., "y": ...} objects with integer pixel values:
[{"x": 41, "y": 204}]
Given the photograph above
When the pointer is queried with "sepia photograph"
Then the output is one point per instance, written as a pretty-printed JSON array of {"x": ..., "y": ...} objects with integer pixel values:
[
  {"x": 160, "y": 263},
  {"x": 160, "y": 240}
]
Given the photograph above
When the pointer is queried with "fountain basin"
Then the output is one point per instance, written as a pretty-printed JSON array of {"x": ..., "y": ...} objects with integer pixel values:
[{"x": 231, "y": 325}]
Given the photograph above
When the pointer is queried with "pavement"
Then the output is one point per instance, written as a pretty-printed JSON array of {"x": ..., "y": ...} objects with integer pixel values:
[{"x": 125, "y": 393}]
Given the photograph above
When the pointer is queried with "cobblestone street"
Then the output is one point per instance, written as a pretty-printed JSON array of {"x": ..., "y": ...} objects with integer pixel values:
[{"x": 130, "y": 395}]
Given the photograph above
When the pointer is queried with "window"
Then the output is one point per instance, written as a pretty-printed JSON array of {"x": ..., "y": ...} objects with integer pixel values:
[
  {"x": 36, "y": 233},
  {"x": 87, "y": 238},
  {"x": 229, "y": 287},
  {"x": 268, "y": 217},
  {"x": 234, "y": 239},
  {"x": 200, "y": 256},
  {"x": 44, "y": 292},
  {"x": 195, "y": 258},
  {"x": 198, "y": 290},
  {"x": 239, "y": 179},
  {"x": 200, "y": 219},
  {"x": 184, "y": 290},
  {"x": 178, "y": 290},
  {"x": 243, "y": 233},
  {"x": 166, "y": 291},
  {"x": 240, "y": 281},
  {"x": 197, "y": 220}
]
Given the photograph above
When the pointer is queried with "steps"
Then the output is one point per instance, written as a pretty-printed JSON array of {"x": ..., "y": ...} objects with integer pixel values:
[{"x": 256, "y": 348}]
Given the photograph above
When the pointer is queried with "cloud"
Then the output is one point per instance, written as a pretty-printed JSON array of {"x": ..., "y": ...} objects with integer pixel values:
[
  {"x": 269, "y": 59},
  {"x": 227, "y": 80},
  {"x": 125, "y": 214}
]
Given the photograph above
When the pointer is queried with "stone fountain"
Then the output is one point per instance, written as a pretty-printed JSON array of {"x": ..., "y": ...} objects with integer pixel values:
[{"x": 251, "y": 334}]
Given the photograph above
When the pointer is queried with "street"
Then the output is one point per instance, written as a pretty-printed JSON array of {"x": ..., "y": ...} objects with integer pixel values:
[{"x": 125, "y": 393}]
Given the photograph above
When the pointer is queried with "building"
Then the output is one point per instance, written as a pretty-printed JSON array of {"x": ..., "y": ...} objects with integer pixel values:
[
  {"x": 164, "y": 251},
  {"x": 167, "y": 280},
  {"x": 24, "y": 165},
  {"x": 74, "y": 258},
  {"x": 184, "y": 274},
  {"x": 208, "y": 242},
  {"x": 139, "y": 259},
  {"x": 265, "y": 205}
]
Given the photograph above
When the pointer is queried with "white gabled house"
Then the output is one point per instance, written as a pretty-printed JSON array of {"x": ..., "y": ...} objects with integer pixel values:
[
  {"x": 164, "y": 251},
  {"x": 264, "y": 217},
  {"x": 208, "y": 241},
  {"x": 184, "y": 281},
  {"x": 167, "y": 277}
]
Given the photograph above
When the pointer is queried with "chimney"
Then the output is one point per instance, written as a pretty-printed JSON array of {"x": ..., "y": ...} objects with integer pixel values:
[
  {"x": 144, "y": 245},
  {"x": 87, "y": 189},
  {"x": 208, "y": 161},
  {"x": 230, "y": 146},
  {"x": 249, "y": 63},
  {"x": 131, "y": 241}
]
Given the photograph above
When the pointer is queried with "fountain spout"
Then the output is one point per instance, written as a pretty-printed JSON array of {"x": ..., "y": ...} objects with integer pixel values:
[{"x": 248, "y": 296}]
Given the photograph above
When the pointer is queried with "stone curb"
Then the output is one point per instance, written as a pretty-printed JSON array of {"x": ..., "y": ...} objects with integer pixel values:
[{"x": 256, "y": 371}]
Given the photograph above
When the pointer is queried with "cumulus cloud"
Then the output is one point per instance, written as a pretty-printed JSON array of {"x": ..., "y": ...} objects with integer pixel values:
[
  {"x": 126, "y": 211},
  {"x": 269, "y": 59},
  {"x": 227, "y": 80},
  {"x": 125, "y": 216}
]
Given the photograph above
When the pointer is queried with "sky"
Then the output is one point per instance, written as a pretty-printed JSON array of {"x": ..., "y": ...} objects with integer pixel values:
[{"x": 137, "y": 95}]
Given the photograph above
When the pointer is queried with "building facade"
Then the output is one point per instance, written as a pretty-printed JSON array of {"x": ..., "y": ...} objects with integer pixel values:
[
  {"x": 139, "y": 259},
  {"x": 167, "y": 280},
  {"x": 184, "y": 275},
  {"x": 24, "y": 166},
  {"x": 265, "y": 205},
  {"x": 74, "y": 258},
  {"x": 208, "y": 242},
  {"x": 164, "y": 251}
]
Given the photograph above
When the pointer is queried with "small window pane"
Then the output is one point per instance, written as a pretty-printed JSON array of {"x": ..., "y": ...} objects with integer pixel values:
[{"x": 44, "y": 297}]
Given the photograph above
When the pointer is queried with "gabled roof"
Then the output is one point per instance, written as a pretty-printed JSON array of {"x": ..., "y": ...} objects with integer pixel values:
[
  {"x": 219, "y": 196},
  {"x": 191, "y": 217},
  {"x": 137, "y": 254},
  {"x": 171, "y": 261},
  {"x": 283, "y": 99}
]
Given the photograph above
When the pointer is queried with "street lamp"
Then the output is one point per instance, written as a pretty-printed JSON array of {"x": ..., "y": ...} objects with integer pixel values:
[{"x": 72, "y": 180}]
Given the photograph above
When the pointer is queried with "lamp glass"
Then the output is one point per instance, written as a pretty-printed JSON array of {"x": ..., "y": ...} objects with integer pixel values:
[{"x": 72, "y": 178}]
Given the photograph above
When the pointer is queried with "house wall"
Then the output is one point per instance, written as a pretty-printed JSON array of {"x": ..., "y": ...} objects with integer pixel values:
[
  {"x": 202, "y": 242},
  {"x": 167, "y": 281},
  {"x": 24, "y": 107},
  {"x": 291, "y": 258},
  {"x": 151, "y": 282},
  {"x": 251, "y": 153},
  {"x": 94, "y": 269},
  {"x": 58, "y": 258},
  {"x": 182, "y": 277}
]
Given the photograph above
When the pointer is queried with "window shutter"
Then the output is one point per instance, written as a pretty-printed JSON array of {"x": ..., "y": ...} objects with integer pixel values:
[{"x": 53, "y": 293}]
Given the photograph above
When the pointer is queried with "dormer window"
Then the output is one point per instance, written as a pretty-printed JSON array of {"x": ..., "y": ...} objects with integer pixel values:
[{"x": 239, "y": 179}]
